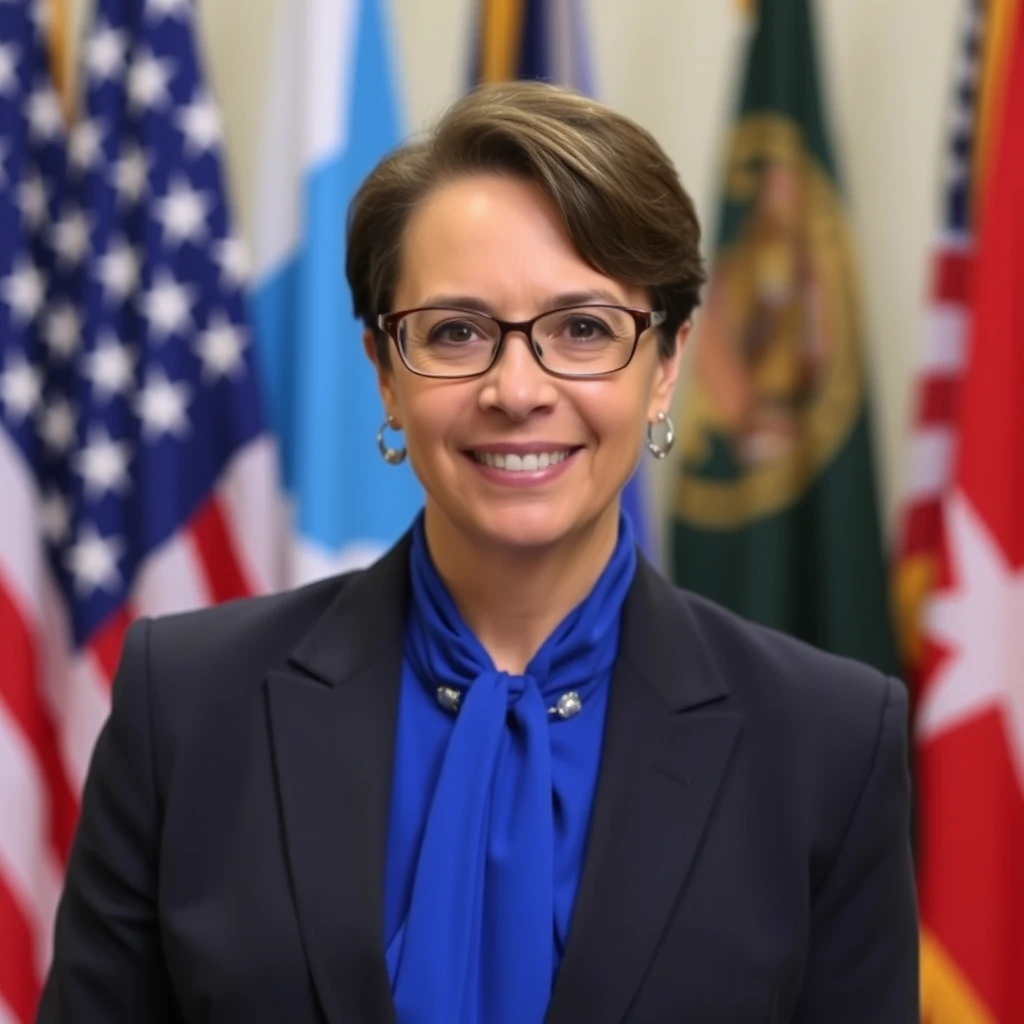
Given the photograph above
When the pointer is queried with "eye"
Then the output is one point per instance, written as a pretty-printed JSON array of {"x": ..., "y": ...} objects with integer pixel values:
[
  {"x": 585, "y": 328},
  {"x": 454, "y": 332}
]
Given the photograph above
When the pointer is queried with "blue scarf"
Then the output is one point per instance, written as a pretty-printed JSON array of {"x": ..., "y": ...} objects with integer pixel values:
[{"x": 475, "y": 944}]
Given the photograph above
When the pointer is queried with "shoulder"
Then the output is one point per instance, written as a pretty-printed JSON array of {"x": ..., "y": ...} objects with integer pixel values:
[
  {"x": 823, "y": 739},
  {"x": 815, "y": 727},
  {"x": 772, "y": 676},
  {"x": 192, "y": 660}
]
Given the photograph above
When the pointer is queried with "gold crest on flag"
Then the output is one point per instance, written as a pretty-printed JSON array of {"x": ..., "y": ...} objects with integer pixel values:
[{"x": 777, "y": 377}]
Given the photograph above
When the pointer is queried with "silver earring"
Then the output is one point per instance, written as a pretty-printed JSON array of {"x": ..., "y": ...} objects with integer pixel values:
[
  {"x": 659, "y": 449},
  {"x": 392, "y": 456}
]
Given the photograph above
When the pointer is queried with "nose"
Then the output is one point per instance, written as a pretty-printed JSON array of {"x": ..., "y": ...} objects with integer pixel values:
[{"x": 517, "y": 383}]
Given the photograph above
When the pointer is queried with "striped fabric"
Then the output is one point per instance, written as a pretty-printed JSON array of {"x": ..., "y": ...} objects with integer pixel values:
[
  {"x": 135, "y": 473},
  {"x": 929, "y": 458}
]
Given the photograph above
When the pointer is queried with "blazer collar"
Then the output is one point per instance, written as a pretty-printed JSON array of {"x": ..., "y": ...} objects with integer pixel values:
[
  {"x": 668, "y": 741},
  {"x": 364, "y": 621},
  {"x": 666, "y": 749},
  {"x": 332, "y": 723}
]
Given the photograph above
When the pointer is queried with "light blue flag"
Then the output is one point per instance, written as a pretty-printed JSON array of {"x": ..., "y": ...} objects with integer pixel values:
[{"x": 332, "y": 114}]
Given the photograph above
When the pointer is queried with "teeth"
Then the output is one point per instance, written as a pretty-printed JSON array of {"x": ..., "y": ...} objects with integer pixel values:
[{"x": 521, "y": 463}]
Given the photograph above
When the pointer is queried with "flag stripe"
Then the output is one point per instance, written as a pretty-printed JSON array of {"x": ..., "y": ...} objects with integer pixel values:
[
  {"x": 171, "y": 580},
  {"x": 255, "y": 512},
  {"x": 945, "y": 339},
  {"x": 218, "y": 558},
  {"x": 952, "y": 277},
  {"x": 921, "y": 525},
  {"x": 24, "y": 704},
  {"x": 26, "y": 855},
  {"x": 106, "y": 643},
  {"x": 19, "y": 977},
  {"x": 938, "y": 401}
]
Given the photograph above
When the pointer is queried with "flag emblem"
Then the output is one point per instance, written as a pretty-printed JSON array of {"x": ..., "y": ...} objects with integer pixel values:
[{"x": 777, "y": 369}]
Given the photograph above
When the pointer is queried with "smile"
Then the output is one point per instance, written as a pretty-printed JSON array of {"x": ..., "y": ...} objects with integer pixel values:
[{"x": 529, "y": 463}]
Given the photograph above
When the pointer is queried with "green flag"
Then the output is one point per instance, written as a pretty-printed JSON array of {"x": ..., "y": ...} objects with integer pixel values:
[{"x": 776, "y": 513}]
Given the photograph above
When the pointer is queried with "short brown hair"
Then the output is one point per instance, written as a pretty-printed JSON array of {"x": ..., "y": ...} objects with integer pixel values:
[{"x": 616, "y": 190}]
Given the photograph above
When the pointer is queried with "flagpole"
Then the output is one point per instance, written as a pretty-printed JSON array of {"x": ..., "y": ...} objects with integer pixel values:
[{"x": 62, "y": 68}]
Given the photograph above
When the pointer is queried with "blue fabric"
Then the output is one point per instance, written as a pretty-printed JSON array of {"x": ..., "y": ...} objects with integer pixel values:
[{"x": 490, "y": 807}]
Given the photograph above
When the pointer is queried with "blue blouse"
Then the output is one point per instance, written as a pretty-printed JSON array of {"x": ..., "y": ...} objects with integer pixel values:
[{"x": 510, "y": 815}]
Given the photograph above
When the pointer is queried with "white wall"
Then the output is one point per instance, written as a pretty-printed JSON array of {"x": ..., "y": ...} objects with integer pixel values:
[{"x": 671, "y": 64}]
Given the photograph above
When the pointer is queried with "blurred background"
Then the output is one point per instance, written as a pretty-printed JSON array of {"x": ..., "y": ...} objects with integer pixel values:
[
  {"x": 186, "y": 415},
  {"x": 674, "y": 65}
]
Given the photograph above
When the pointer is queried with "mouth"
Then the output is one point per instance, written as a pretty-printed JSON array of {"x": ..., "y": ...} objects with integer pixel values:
[{"x": 529, "y": 462}]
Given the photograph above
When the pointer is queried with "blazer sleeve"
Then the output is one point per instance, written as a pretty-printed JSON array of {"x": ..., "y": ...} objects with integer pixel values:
[
  {"x": 863, "y": 946},
  {"x": 107, "y": 965}
]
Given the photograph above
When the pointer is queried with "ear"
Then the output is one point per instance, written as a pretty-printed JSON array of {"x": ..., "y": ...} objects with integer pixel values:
[
  {"x": 385, "y": 375},
  {"x": 666, "y": 375}
]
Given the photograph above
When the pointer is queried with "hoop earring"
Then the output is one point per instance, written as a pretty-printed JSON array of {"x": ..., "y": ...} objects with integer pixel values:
[
  {"x": 392, "y": 456},
  {"x": 659, "y": 449}
]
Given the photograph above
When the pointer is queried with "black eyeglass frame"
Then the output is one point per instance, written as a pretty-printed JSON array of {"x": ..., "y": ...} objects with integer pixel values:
[{"x": 643, "y": 320}]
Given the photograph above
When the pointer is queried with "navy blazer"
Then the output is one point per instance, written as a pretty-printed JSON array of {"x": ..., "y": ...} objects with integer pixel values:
[{"x": 748, "y": 856}]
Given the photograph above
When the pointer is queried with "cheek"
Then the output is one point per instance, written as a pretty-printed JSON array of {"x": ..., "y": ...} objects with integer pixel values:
[
  {"x": 617, "y": 414},
  {"x": 431, "y": 414}
]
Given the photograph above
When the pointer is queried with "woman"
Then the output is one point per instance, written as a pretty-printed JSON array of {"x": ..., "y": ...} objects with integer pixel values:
[{"x": 509, "y": 773}]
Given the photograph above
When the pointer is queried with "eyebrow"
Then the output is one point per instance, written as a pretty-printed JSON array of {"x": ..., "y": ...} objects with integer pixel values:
[{"x": 474, "y": 302}]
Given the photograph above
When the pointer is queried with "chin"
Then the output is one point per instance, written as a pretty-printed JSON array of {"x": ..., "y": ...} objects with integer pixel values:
[{"x": 529, "y": 527}]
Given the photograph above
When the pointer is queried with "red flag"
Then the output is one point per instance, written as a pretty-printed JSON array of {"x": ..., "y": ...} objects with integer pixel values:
[{"x": 970, "y": 707}]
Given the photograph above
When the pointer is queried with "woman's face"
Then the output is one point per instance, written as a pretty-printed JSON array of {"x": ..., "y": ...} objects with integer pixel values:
[{"x": 497, "y": 243}]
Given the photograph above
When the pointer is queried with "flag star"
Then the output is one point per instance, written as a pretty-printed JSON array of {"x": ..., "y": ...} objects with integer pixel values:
[
  {"x": 32, "y": 200},
  {"x": 55, "y": 517},
  {"x": 978, "y": 620},
  {"x": 92, "y": 560},
  {"x": 220, "y": 347},
  {"x": 62, "y": 332},
  {"x": 8, "y": 68},
  {"x": 118, "y": 270},
  {"x": 233, "y": 260},
  {"x": 21, "y": 387},
  {"x": 131, "y": 175},
  {"x": 167, "y": 306},
  {"x": 110, "y": 367},
  {"x": 105, "y": 53},
  {"x": 86, "y": 144},
  {"x": 201, "y": 124},
  {"x": 57, "y": 426},
  {"x": 23, "y": 290},
  {"x": 45, "y": 118},
  {"x": 160, "y": 405},
  {"x": 103, "y": 464},
  {"x": 183, "y": 212},
  {"x": 149, "y": 81},
  {"x": 168, "y": 8},
  {"x": 71, "y": 237}
]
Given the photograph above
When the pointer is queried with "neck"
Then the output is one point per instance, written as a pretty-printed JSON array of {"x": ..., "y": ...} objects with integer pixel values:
[{"x": 513, "y": 599}]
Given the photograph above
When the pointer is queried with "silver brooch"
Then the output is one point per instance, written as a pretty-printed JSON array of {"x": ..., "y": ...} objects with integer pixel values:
[
  {"x": 448, "y": 697},
  {"x": 569, "y": 705}
]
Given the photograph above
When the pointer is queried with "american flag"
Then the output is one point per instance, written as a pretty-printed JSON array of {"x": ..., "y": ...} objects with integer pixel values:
[
  {"x": 136, "y": 476},
  {"x": 933, "y": 437}
]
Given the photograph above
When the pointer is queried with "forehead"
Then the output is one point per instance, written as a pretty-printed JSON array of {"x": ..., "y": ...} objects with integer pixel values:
[{"x": 499, "y": 238}]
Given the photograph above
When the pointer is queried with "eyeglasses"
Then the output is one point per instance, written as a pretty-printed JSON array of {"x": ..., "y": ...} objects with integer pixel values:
[{"x": 579, "y": 341}]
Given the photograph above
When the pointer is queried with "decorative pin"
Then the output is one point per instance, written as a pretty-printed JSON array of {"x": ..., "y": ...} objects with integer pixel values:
[
  {"x": 448, "y": 697},
  {"x": 569, "y": 705}
]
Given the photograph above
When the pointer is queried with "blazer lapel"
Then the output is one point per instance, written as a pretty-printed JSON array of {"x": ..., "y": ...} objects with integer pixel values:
[
  {"x": 332, "y": 718},
  {"x": 665, "y": 754}
]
